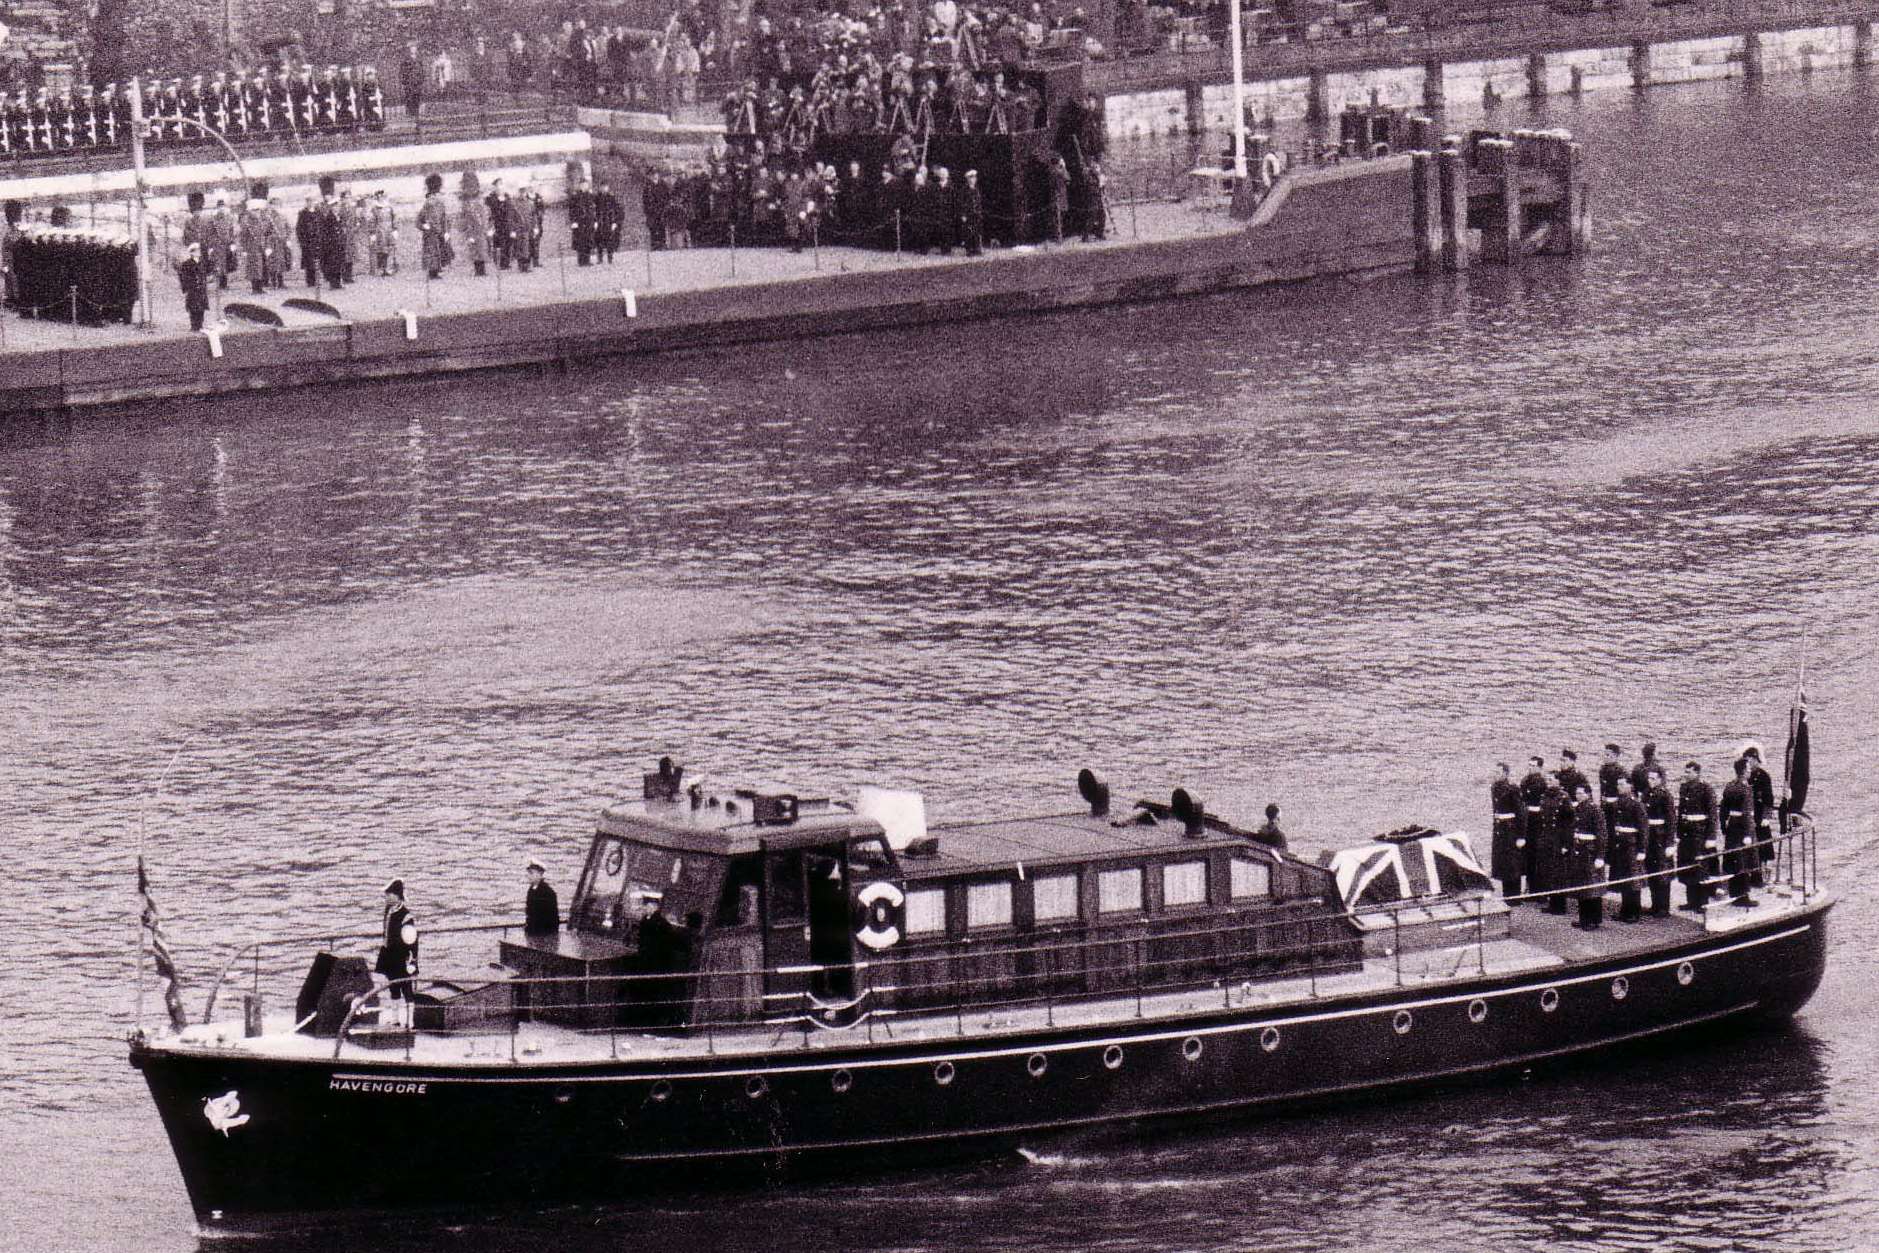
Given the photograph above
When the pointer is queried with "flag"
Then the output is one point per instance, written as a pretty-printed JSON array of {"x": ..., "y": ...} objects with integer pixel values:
[
  {"x": 1407, "y": 865},
  {"x": 1799, "y": 765},
  {"x": 160, "y": 952}
]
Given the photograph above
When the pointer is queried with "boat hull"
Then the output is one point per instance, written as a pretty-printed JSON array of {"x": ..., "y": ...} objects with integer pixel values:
[{"x": 356, "y": 1134}]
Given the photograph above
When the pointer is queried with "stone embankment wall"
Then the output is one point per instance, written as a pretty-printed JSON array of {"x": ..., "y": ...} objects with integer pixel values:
[{"x": 1474, "y": 83}]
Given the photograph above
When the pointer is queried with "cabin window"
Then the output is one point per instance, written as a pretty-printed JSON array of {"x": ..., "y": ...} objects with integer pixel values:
[
  {"x": 869, "y": 855},
  {"x": 1055, "y": 897},
  {"x": 1184, "y": 883},
  {"x": 926, "y": 911},
  {"x": 988, "y": 905},
  {"x": 1119, "y": 891},
  {"x": 1251, "y": 879}
]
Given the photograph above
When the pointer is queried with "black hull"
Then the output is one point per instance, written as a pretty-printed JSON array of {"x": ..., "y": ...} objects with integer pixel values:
[{"x": 358, "y": 1133}]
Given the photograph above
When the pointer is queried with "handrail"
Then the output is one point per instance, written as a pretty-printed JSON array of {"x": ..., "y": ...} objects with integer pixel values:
[{"x": 1320, "y": 942}]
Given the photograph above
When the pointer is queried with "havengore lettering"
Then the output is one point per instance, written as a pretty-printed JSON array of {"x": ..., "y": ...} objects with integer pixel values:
[{"x": 387, "y": 1087}]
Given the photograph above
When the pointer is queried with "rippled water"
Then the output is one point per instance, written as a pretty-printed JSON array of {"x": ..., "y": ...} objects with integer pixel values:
[{"x": 1341, "y": 546}]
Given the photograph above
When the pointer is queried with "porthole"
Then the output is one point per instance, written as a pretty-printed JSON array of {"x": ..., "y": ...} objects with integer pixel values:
[
  {"x": 1037, "y": 1065},
  {"x": 756, "y": 1087},
  {"x": 661, "y": 1091},
  {"x": 1112, "y": 1057},
  {"x": 1685, "y": 973},
  {"x": 943, "y": 1073},
  {"x": 1477, "y": 1011},
  {"x": 1621, "y": 988},
  {"x": 1191, "y": 1048},
  {"x": 1403, "y": 1021},
  {"x": 1269, "y": 1039},
  {"x": 841, "y": 1081},
  {"x": 1549, "y": 1000}
]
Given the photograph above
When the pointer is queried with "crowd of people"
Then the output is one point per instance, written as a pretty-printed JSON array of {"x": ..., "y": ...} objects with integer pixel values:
[
  {"x": 1562, "y": 834},
  {"x": 273, "y": 105}
]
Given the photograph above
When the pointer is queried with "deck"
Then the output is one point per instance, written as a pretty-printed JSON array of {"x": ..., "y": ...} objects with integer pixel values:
[{"x": 1536, "y": 941}]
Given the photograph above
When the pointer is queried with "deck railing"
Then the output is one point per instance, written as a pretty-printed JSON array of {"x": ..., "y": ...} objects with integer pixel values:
[{"x": 1220, "y": 962}]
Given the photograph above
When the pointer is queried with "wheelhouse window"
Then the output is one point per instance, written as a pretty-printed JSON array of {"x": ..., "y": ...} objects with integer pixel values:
[
  {"x": 598, "y": 908},
  {"x": 1184, "y": 883},
  {"x": 1119, "y": 891},
  {"x": 1056, "y": 897},
  {"x": 926, "y": 911},
  {"x": 988, "y": 905},
  {"x": 1251, "y": 880}
]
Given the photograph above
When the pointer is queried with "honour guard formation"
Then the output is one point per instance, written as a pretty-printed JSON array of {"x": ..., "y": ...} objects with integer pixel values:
[
  {"x": 63, "y": 273},
  {"x": 265, "y": 105},
  {"x": 1561, "y": 835}
]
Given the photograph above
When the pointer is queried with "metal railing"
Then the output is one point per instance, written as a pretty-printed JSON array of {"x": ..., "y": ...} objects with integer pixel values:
[{"x": 1227, "y": 959}]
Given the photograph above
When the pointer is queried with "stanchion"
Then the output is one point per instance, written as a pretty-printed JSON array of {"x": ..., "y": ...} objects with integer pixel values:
[
  {"x": 499, "y": 284},
  {"x": 74, "y": 298},
  {"x": 561, "y": 256},
  {"x": 1135, "y": 231},
  {"x": 897, "y": 232},
  {"x": 429, "y": 278},
  {"x": 733, "y": 250},
  {"x": 649, "y": 258},
  {"x": 815, "y": 242}
]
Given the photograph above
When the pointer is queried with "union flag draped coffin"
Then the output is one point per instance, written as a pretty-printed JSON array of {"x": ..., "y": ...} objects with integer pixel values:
[{"x": 1413, "y": 863}]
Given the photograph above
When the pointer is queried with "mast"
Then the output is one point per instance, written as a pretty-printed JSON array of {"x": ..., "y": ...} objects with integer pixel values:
[
  {"x": 1239, "y": 89},
  {"x": 137, "y": 213}
]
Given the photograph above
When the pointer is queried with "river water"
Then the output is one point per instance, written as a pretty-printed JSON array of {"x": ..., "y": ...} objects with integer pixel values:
[{"x": 1339, "y": 546}]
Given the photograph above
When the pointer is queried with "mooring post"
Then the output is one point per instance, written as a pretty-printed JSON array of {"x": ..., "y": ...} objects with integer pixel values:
[
  {"x": 1452, "y": 174},
  {"x": 1425, "y": 211},
  {"x": 1536, "y": 75},
  {"x": 1434, "y": 89},
  {"x": 1752, "y": 56},
  {"x": 1500, "y": 234},
  {"x": 1196, "y": 106},
  {"x": 1862, "y": 43},
  {"x": 1640, "y": 65},
  {"x": 1318, "y": 96}
]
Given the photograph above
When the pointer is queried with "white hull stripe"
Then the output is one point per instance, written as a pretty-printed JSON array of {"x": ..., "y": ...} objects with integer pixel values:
[
  {"x": 1302, "y": 1094},
  {"x": 1178, "y": 1033}
]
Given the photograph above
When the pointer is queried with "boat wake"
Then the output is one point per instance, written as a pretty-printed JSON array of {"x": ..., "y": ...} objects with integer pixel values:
[{"x": 1054, "y": 1161}]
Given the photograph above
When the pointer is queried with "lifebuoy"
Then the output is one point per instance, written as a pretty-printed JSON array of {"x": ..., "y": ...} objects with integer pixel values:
[
  {"x": 879, "y": 925},
  {"x": 1270, "y": 167}
]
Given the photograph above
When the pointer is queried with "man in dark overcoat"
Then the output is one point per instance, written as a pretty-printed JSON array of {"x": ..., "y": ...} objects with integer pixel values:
[
  {"x": 1587, "y": 863},
  {"x": 1698, "y": 836},
  {"x": 1508, "y": 856}
]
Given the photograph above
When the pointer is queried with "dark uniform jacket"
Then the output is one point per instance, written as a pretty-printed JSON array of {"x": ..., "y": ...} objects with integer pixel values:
[
  {"x": 1551, "y": 839},
  {"x": 1738, "y": 827},
  {"x": 1509, "y": 853},
  {"x": 1697, "y": 830},
  {"x": 542, "y": 913},
  {"x": 398, "y": 955},
  {"x": 1588, "y": 850},
  {"x": 1626, "y": 839},
  {"x": 1660, "y": 834}
]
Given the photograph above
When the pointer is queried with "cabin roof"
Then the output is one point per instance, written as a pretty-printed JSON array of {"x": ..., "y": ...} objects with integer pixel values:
[
  {"x": 1059, "y": 839},
  {"x": 716, "y": 829}
]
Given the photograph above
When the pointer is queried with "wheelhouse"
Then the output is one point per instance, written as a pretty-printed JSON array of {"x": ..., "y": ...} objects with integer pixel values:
[{"x": 770, "y": 904}]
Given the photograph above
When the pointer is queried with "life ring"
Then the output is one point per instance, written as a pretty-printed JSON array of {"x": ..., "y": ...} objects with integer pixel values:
[
  {"x": 1270, "y": 167},
  {"x": 879, "y": 924}
]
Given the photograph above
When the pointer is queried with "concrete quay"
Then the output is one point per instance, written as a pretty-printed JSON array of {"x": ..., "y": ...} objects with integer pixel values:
[
  {"x": 1480, "y": 66},
  {"x": 1349, "y": 219}
]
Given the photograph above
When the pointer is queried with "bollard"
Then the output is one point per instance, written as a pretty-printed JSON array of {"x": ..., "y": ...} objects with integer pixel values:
[
  {"x": 1434, "y": 89},
  {"x": 1318, "y": 96},
  {"x": 1500, "y": 235},
  {"x": 1752, "y": 56},
  {"x": 1452, "y": 175},
  {"x": 1536, "y": 75},
  {"x": 1425, "y": 211},
  {"x": 1640, "y": 65},
  {"x": 250, "y": 1014},
  {"x": 1862, "y": 43}
]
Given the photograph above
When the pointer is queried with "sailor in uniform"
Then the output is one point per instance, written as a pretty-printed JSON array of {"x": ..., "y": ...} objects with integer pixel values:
[
  {"x": 1532, "y": 793},
  {"x": 1762, "y": 788},
  {"x": 541, "y": 913},
  {"x": 1697, "y": 836},
  {"x": 1553, "y": 862},
  {"x": 1610, "y": 771},
  {"x": 1588, "y": 858},
  {"x": 398, "y": 954},
  {"x": 1570, "y": 776},
  {"x": 1626, "y": 842},
  {"x": 1509, "y": 849},
  {"x": 1660, "y": 839},
  {"x": 1738, "y": 835}
]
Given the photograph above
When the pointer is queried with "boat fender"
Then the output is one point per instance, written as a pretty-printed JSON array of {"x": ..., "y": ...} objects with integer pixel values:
[{"x": 879, "y": 924}]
